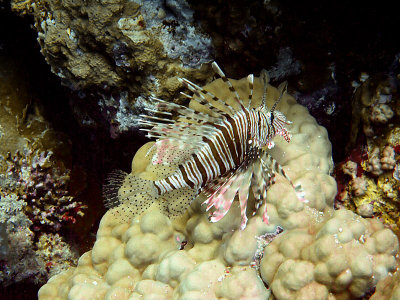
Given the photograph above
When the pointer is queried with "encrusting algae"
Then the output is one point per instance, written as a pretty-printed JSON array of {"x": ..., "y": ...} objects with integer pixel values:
[{"x": 371, "y": 183}]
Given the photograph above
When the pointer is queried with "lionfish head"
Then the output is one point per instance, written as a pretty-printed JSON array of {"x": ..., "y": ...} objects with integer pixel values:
[{"x": 279, "y": 123}]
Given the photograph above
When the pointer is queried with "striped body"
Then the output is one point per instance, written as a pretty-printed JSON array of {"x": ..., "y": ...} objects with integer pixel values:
[{"x": 226, "y": 150}]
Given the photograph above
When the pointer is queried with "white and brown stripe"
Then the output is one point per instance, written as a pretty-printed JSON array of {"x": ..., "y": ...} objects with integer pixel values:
[
  {"x": 220, "y": 142},
  {"x": 223, "y": 151}
]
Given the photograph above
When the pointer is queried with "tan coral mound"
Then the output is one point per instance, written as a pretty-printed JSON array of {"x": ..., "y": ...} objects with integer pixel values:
[
  {"x": 344, "y": 255},
  {"x": 152, "y": 257}
]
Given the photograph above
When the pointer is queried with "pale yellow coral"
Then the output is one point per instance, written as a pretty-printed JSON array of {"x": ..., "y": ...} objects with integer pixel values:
[
  {"x": 152, "y": 257},
  {"x": 344, "y": 255}
]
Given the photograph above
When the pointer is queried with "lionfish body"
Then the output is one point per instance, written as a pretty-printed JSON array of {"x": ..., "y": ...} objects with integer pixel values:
[{"x": 221, "y": 154}]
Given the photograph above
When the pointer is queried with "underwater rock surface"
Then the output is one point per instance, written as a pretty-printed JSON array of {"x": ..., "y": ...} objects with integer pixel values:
[
  {"x": 34, "y": 175},
  {"x": 120, "y": 51}
]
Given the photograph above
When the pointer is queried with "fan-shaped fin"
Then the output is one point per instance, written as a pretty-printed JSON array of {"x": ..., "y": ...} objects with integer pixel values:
[
  {"x": 244, "y": 195},
  {"x": 174, "y": 203},
  {"x": 128, "y": 195},
  {"x": 222, "y": 199}
]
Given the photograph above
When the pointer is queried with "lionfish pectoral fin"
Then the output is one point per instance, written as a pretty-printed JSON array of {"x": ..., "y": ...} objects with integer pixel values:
[
  {"x": 222, "y": 199},
  {"x": 171, "y": 151},
  {"x": 224, "y": 192},
  {"x": 211, "y": 189},
  {"x": 261, "y": 180},
  {"x": 178, "y": 201},
  {"x": 128, "y": 195},
  {"x": 244, "y": 196}
]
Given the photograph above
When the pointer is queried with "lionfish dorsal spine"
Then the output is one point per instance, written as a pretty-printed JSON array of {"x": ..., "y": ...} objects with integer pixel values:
[
  {"x": 265, "y": 80},
  {"x": 200, "y": 92},
  {"x": 225, "y": 79},
  {"x": 250, "y": 80},
  {"x": 282, "y": 88},
  {"x": 215, "y": 112}
]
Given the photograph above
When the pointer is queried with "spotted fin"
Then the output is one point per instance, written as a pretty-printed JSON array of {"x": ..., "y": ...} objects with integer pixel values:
[
  {"x": 127, "y": 194},
  {"x": 178, "y": 201}
]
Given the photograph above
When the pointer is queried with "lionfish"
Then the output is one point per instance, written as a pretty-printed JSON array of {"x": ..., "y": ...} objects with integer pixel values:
[{"x": 221, "y": 154}]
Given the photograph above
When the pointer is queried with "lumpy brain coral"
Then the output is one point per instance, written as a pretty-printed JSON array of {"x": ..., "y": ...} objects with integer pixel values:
[{"x": 321, "y": 253}]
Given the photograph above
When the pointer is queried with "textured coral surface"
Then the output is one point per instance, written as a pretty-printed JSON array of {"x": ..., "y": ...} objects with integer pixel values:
[
  {"x": 371, "y": 188},
  {"x": 329, "y": 254}
]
